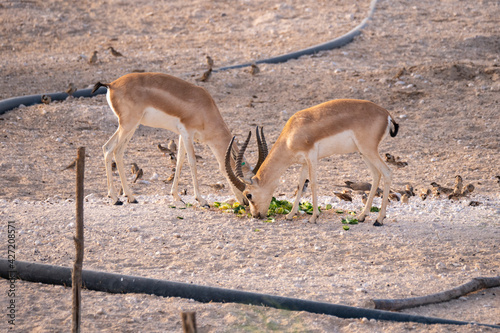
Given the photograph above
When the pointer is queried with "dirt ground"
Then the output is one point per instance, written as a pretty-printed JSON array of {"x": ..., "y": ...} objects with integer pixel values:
[{"x": 435, "y": 65}]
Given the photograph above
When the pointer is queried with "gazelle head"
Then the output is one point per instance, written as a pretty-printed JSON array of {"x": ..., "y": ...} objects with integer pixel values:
[{"x": 258, "y": 197}]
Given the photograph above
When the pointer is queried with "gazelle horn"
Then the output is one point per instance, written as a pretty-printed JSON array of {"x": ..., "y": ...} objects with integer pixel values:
[
  {"x": 239, "y": 159},
  {"x": 262, "y": 145},
  {"x": 235, "y": 180}
]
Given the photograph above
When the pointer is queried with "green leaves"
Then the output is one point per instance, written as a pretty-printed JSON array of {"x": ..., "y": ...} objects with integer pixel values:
[
  {"x": 279, "y": 207},
  {"x": 235, "y": 208},
  {"x": 283, "y": 207},
  {"x": 350, "y": 220}
]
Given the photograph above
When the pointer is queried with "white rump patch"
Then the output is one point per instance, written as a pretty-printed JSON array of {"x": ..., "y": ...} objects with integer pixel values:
[{"x": 108, "y": 98}]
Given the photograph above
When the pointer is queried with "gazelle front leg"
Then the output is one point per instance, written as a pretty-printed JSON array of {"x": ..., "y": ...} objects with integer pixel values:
[
  {"x": 188, "y": 145},
  {"x": 181, "y": 155},
  {"x": 302, "y": 180}
]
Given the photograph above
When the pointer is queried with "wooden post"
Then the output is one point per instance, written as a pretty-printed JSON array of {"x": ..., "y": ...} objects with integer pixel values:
[
  {"x": 76, "y": 275},
  {"x": 188, "y": 322}
]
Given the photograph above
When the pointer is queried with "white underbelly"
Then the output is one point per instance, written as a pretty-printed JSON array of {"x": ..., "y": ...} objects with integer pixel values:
[
  {"x": 155, "y": 118},
  {"x": 341, "y": 143}
]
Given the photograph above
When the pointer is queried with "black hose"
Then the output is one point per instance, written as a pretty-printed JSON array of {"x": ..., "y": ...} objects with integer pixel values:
[
  {"x": 330, "y": 45},
  {"x": 116, "y": 283},
  {"x": 11, "y": 103},
  {"x": 14, "y": 102}
]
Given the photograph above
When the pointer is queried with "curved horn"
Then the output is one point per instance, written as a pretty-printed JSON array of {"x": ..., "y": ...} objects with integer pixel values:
[
  {"x": 235, "y": 180},
  {"x": 263, "y": 151},
  {"x": 239, "y": 159}
]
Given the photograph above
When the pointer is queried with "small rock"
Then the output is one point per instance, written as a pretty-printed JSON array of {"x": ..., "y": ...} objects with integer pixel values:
[
  {"x": 90, "y": 197},
  {"x": 300, "y": 261},
  {"x": 284, "y": 115},
  {"x": 440, "y": 266}
]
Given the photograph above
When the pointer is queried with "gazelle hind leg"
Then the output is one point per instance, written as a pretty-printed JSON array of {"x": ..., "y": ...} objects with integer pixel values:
[
  {"x": 312, "y": 163},
  {"x": 302, "y": 180},
  {"x": 376, "y": 163},
  {"x": 387, "y": 174},
  {"x": 123, "y": 140},
  {"x": 108, "y": 150},
  {"x": 375, "y": 183}
]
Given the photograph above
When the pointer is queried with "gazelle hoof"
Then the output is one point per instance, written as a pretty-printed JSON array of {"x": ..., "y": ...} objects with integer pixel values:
[
  {"x": 377, "y": 224},
  {"x": 118, "y": 203},
  {"x": 133, "y": 201},
  {"x": 206, "y": 206},
  {"x": 312, "y": 220}
]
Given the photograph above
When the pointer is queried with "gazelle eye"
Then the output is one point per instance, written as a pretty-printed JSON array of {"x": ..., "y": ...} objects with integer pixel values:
[{"x": 249, "y": 196}]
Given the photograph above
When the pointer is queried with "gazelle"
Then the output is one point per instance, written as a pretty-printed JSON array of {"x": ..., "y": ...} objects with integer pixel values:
[
  {"x": 335, "y": 127},
  {"x": 164, "y": 101}
]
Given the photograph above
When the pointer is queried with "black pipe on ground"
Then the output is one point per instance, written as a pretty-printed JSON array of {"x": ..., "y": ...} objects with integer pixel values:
[
  {"x": 330, "y": 45},
  {"x": 117, "y": 283},
  {"x": 14, "y": 102}
]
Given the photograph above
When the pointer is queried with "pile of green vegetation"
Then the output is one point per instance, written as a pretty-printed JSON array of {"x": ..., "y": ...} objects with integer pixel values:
[
  {"x": 283, "y": 207},
  {"x": 276, "y": 207}
]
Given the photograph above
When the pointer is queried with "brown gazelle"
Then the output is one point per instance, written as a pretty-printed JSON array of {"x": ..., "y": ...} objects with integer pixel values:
[
  {"x": 335, "y": 127},
  {"x": 164, "y": 101}
]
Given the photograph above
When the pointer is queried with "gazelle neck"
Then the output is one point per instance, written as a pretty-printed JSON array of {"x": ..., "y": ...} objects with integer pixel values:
[{"x": 276, "y": 163}]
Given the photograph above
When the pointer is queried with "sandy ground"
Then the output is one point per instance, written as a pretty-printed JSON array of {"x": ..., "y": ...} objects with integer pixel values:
[{"x": 434, "y": 65}]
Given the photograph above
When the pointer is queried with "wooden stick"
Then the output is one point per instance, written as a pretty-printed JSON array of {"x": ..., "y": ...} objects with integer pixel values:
[
  {"x": 188, "y": 322},
  {"x": 404, "y": 303},
  {"x": 76, "y": 275}
]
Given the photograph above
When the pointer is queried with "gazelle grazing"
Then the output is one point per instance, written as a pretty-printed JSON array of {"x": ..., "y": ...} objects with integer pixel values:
[
  {"x": 163, "y": 101},
  {"x": 335, "y": 127}
]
